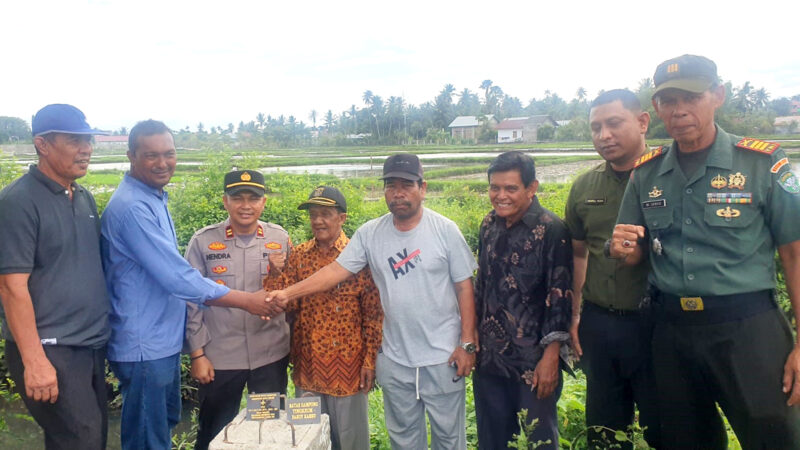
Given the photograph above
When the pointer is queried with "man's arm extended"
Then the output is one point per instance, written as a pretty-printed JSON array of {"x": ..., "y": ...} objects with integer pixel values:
[
  {"x": 324, "y": 279},
  {"x": 580, "y": 258},
  {"x": 41, "y": 383}
]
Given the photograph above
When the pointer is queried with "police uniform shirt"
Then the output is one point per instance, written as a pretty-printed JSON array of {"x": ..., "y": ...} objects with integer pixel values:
[
  {"x": 590, "y": 213},
  {"x": 718, "y": 230},
  {"x": 232, "y": 338}
]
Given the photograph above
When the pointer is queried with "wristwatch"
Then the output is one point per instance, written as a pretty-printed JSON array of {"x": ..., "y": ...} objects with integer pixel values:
[{"x": 468, "y": 347}]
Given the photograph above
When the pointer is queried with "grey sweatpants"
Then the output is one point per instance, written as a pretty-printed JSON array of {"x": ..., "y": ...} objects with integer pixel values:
[
  {"x": 349, "y": 419},
  {"x": 409, "y": 392}
]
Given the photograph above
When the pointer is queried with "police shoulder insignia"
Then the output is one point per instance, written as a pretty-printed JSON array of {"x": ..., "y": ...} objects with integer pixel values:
[
  {"x": 229, "y": 232},
  {"x": 648, "y": 156},
  {"x": 757, "y": 145}
]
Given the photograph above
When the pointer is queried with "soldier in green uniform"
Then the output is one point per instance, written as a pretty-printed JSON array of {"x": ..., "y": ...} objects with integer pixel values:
[
  {"x": 709, "y": 212},
  {"x": 611, "y": 334}
]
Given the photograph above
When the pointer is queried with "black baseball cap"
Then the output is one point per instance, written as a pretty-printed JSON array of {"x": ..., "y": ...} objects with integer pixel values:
[
  {"x": 244, "y": 180},
  {"x": 402, "y": 165},
  {"x": 325, "y": 196},
  {"x": 690, "y": 73},
  {"x": 61, "y": 118}
]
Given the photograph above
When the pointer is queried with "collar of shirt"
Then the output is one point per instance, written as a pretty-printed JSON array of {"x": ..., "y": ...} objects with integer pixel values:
[
  {"x": 138, "y": 185},
  {"x": 531, "y": 217},
  {"x": 719, "y": 156},
  {"x": 238, "y": 242},
  {"x": 51, "y": 184},
  {"x": 339, "y": 244}
]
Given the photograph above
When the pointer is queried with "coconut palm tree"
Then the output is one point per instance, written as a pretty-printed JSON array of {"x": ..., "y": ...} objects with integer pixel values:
[{"x": 313, "y": 118}]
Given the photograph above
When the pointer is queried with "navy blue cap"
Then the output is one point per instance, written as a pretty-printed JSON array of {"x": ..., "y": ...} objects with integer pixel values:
[{"x": 61, "y": 118}]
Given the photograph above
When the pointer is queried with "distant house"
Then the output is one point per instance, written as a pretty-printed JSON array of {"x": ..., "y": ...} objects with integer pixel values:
[
  {"x": 787, "y": 124},
  {"x": 111, "y": 142},
  {"x": 522, "y": 129},
  {"x": 467, "y": 127}
]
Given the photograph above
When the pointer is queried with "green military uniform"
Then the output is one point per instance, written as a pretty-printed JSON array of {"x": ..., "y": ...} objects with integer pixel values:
[
  {"x": 591, "y": 211},
  {"x": 719, "y": 336},
  {"x": 614, "y": 336}
]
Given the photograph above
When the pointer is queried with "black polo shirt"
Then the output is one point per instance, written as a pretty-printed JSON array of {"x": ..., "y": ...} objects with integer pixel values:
[{"x": 56, "y": 241}]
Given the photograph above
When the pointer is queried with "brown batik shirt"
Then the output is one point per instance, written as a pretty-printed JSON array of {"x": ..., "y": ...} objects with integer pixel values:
[{"x": 334, "y": 333}]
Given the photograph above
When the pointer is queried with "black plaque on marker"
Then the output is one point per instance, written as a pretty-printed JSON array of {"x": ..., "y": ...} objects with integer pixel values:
[
  {"x": 303, "y": 410},
  {"x": 263, "y": 406}
]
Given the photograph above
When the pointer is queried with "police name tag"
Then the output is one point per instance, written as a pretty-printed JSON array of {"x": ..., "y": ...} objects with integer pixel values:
[
  {"x": 661, "y": 203},
  {"x": 304, "y": 410},
  {"x": 263, "y": 406},
  {"x": 595, "y": 201}
]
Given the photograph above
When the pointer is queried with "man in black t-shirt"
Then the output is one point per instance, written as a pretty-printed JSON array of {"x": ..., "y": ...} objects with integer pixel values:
[{"x": 55, "y": 304}]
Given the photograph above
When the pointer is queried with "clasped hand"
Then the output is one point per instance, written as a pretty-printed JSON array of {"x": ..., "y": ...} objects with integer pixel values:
[{"x": 275, "y": 303}]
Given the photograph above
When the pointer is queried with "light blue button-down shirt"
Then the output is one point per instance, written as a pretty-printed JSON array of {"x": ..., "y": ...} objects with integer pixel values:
[{"x": 148, "y": 281}]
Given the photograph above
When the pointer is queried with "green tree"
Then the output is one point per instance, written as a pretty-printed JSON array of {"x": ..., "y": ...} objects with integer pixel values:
[
  {"x": 14, "y": 129},
  {"x": 313, "y": 117},
  {"x": 580, "y": 94},
  {"x": 444, "y": 107},
  {"x": 511, "y": 107},
  {"x": 545, "y": 133},
  {"x": 468, "y": 103},
  {"x": 330, "y": 120},
  {"x": 760, "y": 98}
]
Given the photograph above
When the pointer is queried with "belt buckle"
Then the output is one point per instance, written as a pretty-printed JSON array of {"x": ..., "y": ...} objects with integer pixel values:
[{"x": 692, "y": 303}]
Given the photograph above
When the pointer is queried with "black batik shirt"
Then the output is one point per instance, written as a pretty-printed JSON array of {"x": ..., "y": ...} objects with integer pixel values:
[{"x": 523, "y": 295}]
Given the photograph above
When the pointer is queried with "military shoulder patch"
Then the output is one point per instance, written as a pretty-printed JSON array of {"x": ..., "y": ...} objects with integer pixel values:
[
  {"x": 652, "y": 154},
  {"x": 778, "y": 165},
  {"x": 758, "y": 145},
  {"x": 789, "y": 182}
]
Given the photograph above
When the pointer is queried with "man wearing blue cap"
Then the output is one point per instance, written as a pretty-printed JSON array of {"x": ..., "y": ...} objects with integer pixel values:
[{"x": 55, "y": 305}]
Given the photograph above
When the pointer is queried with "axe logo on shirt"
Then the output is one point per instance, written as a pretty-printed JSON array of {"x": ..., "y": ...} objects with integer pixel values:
[{"x": 403, "y": 264}]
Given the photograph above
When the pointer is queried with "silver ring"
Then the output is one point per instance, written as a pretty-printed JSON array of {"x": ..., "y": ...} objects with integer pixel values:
[{"x": 626, "y": 243}]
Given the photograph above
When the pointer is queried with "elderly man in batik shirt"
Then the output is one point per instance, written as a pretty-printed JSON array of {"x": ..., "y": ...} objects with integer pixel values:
[
  {"x": 523, "y": 304},
  {"x": 336, "y": 333}
]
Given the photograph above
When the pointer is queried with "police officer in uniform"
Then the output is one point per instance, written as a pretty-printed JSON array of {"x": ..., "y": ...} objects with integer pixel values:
[
  {"x": 709, "y": 210},
  {"x": 229, "y": 347}
]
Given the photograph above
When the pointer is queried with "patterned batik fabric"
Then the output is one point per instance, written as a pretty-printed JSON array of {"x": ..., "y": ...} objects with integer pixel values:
[
  {"x": 334, "y": 333},
  {"x": 523, "y": 290}
]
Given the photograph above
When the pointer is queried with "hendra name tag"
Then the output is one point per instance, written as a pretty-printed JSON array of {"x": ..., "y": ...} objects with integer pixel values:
[
  {"x": 304, "y": 410},
  {"x": 661, "y": 203},
  {"x": 263, "y": 406}
]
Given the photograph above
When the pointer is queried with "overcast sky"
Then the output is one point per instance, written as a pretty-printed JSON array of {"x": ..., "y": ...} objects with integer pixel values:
[{"x": 219, "y": 61}]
